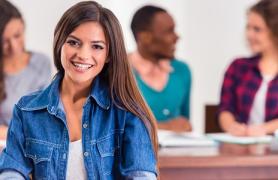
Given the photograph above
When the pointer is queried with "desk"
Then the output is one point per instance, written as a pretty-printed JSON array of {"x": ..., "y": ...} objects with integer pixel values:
[{"x": 228, "y": 161}]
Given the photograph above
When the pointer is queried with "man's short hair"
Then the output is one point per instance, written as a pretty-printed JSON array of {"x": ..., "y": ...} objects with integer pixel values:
[{"x": 143, "y": 17}]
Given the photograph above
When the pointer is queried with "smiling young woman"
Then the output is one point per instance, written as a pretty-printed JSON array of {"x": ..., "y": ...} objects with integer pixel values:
[
  {"x": 91, "y": 121},
  {"x": 249, "y": 96}
]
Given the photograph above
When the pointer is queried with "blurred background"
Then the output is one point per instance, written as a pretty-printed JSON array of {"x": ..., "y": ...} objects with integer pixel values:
[{"x": 211, "y": 36}]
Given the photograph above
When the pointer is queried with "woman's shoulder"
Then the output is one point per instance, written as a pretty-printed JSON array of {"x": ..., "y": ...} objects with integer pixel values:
[
  {"x": 38, "y": 59},
  {"x": 35, "y": 100},
  {"x": 245, "y": 61}
]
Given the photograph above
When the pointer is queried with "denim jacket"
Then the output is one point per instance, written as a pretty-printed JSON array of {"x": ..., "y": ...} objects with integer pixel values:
[{"x": 115, "y": 143}]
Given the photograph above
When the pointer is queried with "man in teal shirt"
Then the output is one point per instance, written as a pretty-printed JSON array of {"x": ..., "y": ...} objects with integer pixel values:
[{"x": 164, "y": 81}]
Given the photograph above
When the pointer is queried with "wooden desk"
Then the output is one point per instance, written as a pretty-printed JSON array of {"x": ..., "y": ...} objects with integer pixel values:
[{"x": 228, "y": 161}]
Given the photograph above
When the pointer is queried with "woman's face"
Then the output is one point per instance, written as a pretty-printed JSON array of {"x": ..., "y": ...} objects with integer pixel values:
[
  {"x": 258, "y": 34},
  {"x": 13, "y": 38},
  {"x": 84, "y": 53}
]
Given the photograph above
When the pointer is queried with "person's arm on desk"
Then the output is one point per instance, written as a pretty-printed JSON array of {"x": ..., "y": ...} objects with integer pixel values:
[
  {"x": 229, "y": 124},
  {"x": 179, "y": 124},
  {"x": 263, "y": 129},
  {"x": 3, "y": 132}
]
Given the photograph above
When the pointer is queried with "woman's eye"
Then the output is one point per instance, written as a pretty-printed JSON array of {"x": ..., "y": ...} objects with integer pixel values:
[
  {"x": 17, "y": 35},
  {"x": 96, "y": 46},
  {"x": 257, "y": 29},
  {"x": 72, "y": 43}
]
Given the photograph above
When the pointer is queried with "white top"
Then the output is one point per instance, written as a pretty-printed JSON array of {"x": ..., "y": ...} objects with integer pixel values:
[
  {"x": 257, "y": 113},
  {"x": 75, "y": 166}
]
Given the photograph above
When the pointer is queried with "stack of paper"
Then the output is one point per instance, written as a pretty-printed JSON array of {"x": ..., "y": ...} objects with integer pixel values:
[
  {"x": 172, "y": 139},
  {"x": 224, "y": 137}
]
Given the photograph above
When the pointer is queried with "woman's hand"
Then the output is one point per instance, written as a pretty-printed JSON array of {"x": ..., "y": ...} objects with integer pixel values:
[
  {"x": 256, "y": 130},
  {"x": 237, "y": 129}
]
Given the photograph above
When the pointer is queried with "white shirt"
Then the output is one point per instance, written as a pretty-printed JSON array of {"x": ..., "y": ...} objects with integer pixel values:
[
  {"x": 75, "y": 166},
  {"x": 257, "y": 113}
]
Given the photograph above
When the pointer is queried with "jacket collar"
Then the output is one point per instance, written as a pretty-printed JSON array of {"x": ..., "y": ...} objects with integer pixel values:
[{"x": 49, "y": 98}]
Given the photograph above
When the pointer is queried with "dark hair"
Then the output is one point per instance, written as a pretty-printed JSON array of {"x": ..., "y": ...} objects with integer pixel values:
[
  {"x": 7, "y": 12},
  {"x": 117, "y": 72},
  {"x": 268, "y": 10},
  {"x": 143, "y": 17}
]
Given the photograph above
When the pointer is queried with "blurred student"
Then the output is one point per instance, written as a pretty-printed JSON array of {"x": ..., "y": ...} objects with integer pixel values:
[
  {"x": 21, "y": 71},
  {"x": 249, "y": 96},
  {"x": 91, "y": 122},
  {"x": 164, "y": 81}
]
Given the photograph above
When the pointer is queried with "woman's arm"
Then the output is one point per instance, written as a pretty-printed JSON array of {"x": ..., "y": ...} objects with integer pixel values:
[
  {"x": 229, "y": 124},
  {"x": 138, "y": 156},
  {"x": 12, "y": 157},
  {"x": 263, "y": 129}
]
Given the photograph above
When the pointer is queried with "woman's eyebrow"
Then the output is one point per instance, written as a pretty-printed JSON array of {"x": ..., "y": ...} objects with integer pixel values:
[
  {"x": 94, "y": 41},
  {"x": 73, "y": 37}
]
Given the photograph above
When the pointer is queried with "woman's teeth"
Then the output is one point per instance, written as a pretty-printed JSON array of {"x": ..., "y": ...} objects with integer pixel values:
[{"x": 82, "y": 66}]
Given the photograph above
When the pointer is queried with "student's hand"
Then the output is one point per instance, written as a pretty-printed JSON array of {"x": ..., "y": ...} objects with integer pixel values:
[
  {"x": 179, "y": 124},
  {"x": 237, "y": 129},
  {"x": 3, "y": 132},
  {"x": 256, "y": 130}
]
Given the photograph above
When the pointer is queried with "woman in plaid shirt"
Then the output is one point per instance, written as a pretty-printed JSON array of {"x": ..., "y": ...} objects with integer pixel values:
[{"x": 249, "y": 95}]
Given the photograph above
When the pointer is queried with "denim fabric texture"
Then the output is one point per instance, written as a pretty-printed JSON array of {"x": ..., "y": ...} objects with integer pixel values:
[{"x": 115, "y": 142}]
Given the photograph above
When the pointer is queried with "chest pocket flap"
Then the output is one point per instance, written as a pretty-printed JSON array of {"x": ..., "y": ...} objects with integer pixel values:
[{"x": 38, "y": 151}]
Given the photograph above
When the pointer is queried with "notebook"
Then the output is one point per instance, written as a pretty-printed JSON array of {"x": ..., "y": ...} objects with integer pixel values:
[
  {"x": 190, "y": 139},
  {"x": 224, "y": 137}
]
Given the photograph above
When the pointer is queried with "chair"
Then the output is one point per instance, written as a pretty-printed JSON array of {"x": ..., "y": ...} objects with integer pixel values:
[{"x": 211, "y": 123}]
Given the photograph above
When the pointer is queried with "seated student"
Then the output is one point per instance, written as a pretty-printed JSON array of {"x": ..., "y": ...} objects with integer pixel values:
[
  {"x": 249, "y": 96},
  {"x": 91, "y": 121},
  {"x": 164, "y": 81},
  {"x": 21, "y": 71}
]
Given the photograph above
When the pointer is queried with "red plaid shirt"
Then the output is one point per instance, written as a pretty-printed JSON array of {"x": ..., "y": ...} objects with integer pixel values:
[{"x": 241, "y": 82}]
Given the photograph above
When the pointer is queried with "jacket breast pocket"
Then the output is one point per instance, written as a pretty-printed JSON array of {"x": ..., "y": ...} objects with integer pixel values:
[
  {"x": 40, "y": 153},
  {"x": 109, "y": 150}
]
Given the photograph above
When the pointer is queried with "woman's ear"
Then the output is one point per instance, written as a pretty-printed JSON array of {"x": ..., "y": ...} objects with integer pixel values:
[{"x": 107, "y": 60}]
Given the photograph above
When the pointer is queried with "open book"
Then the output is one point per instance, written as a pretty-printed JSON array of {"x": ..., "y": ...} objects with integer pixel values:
[
  {"x": 190, "y": 139},
  {"x": 224, "y": 137}
]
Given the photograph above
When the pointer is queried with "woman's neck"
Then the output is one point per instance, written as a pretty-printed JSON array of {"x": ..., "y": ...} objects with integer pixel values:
[
  {"x": 269, "y": 62},
  {"x": 13, "y": 65},
  {"x": 74, "y": 91}
]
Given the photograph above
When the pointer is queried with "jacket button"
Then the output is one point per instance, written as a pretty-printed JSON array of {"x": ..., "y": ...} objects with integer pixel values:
[
  {"x": 86, "y": 154},
  {"x": 85, "y": 125}
]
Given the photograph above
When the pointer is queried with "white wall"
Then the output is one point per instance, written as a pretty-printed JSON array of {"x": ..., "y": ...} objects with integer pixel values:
[{"x": 211, "y": 31}]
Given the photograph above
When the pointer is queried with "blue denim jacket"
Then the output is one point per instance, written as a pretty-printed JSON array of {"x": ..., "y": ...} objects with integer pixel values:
[{"x": 116, "y": 143}]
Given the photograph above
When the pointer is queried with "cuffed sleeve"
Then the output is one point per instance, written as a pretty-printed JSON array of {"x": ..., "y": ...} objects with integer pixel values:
[
  {"x": 137, "y": 152},
  {"x": 11, "y": 175},
  {"x": 13, "y": 156},
  {"x": 228, "y": 96},
  {"x": 140, "y": 175}
]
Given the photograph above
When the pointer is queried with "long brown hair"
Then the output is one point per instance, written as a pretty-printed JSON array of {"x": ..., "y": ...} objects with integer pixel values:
[
  {"x": 7, "y": 12},
  {"x": 268, "y": 10},
  {"x": 117, "y": 72}
]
